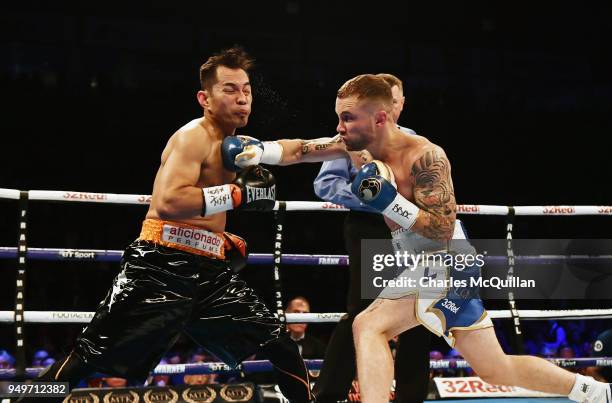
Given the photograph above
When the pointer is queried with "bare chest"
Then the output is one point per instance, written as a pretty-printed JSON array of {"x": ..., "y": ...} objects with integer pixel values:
[
  {"x": 404, "y": 180},
  {"x": 212, "y": 172}
]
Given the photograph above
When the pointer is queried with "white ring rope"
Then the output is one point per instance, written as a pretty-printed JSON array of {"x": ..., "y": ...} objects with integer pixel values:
[
  {"x": 474, "y": 209},
  {"x": 9, "y": 194},
  {"x": 329, "y": 317}
]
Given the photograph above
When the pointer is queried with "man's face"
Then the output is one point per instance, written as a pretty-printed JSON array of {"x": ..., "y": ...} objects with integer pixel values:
[
  {"x": 297, "y": 306},
  {"x": 398, "y": 102},
  {"x": 567, "y": 352},
  {"x": 356, "y": 122},
  {"x": 230, "y": 97}
]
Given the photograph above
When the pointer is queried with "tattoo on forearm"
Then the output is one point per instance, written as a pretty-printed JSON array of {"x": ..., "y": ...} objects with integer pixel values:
[
  {"x": 309, "y": 146},
  {"x": 433, "y": 192}
]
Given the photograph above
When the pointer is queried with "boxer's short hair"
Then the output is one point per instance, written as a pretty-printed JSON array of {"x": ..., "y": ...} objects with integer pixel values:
[
  {"x": 232, "y": 58},
  {"x": 392, "y": 80},
  {"x": 367, "y": 87}
]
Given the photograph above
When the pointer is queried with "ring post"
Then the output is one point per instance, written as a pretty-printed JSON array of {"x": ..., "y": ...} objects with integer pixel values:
[
  {"x": 279, "y": 222},
  {"x": 519, "y": 346},
  {"x": 22, "y": 250}
]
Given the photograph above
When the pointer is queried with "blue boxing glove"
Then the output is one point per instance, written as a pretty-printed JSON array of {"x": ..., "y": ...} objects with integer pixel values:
[
  {"x": 375, "y": 186},
  {"x": 240, "y": 152}
]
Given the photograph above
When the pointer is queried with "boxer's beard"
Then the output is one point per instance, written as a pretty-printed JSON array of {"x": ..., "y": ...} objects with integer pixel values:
[{"x": 357, "y": 144}]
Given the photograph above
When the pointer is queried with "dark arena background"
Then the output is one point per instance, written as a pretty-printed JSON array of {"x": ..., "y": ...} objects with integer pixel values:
[{"x": 518, "y": 94}]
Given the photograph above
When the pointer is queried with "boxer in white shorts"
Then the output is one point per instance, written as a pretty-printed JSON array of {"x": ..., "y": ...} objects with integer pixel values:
[
  {"x": 409, "y": 182},
  {"x": 438, "y": 307}
]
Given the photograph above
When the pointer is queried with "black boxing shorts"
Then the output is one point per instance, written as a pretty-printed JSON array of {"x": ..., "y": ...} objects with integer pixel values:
[{"x": 162, "y": 292}]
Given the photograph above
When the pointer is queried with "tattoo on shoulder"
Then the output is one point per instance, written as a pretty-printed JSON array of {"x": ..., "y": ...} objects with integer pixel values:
[{"x": 434, "y": 193}]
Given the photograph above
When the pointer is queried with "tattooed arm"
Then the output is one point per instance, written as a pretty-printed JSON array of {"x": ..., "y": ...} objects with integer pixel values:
[
  {"x": 314, "y": 150},
  {"x": 431, "y": 212},
  {"x": 434, "y": 195}
]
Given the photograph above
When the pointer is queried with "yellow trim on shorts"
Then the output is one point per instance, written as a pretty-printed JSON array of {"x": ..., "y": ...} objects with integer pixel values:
[{"x": 477, "y": 325}]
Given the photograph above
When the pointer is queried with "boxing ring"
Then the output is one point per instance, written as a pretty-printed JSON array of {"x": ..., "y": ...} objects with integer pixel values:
[{"x": 23, "y": 253}]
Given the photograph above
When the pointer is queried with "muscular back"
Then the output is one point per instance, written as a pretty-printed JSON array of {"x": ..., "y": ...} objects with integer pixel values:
[{"x": 190, "y": 161}]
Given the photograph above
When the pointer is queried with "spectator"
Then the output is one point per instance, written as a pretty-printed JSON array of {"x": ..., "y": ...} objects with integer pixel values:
[
  {"x": 435, "y": 355},
  {"x": 567, "y": 352},
  {"x": 576, "y": 330},
  {"x": 555, "y": 336},
  {"x": 159, "y": 380},
  {"x": 174, "y": 358},
  {"x": 586, "y": 348},
  {"x": 39, "y": 357},
  {"x": 201, "y": 379},
  {"x": 309, "y": 346},
  {"x": 6, "y": 360},
  {"x": 548, "y": 351}
]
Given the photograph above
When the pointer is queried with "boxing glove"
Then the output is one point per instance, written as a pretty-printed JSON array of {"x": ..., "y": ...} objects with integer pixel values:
[
  {"x": 375, "y": 186},
  {"x": 253, "y": 189},
  {"x": 238, "y": 152}
]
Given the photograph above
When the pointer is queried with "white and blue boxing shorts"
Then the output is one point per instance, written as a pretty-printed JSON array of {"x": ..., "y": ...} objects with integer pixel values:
[{"x": 446, "y": 298}]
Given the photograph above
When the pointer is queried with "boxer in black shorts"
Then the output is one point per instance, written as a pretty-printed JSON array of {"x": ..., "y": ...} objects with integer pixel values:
[{"x": 180, "y": 275}]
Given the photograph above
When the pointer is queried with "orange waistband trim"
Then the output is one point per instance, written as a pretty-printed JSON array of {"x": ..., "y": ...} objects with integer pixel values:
[{"x": 184, "y": 237}]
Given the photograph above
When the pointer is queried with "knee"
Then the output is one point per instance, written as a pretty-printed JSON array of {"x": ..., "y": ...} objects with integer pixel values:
[
  {"x": 366, "y": 326},
  {"x": 360, "y": 325}
]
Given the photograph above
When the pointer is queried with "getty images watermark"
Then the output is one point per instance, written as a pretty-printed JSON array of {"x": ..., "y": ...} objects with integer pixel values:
[
  {"x": 563, "y": 269},
  {"x": 422, "y": 270}
]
